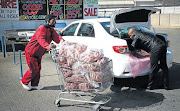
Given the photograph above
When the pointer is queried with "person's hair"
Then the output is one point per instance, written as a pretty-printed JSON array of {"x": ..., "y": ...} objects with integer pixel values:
[{"x": 47, "y": 19}]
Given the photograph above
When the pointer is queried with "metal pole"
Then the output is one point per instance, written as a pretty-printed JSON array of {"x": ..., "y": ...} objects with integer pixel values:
[
  {"x": 20, "y": 62},
  {"x": 104, "y": 13},
  {"x": 13, "y": 47},
  {"x": 5, "y": 46},
  {"x": 2, "y": 43}
]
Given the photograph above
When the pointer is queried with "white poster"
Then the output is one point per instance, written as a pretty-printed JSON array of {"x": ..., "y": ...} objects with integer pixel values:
[
  {"x": 90, "y": 9},
  {"x": 9, "y": 10}
]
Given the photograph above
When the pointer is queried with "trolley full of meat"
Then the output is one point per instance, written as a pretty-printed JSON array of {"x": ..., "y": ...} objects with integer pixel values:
[{"x": 83, "y": 68}]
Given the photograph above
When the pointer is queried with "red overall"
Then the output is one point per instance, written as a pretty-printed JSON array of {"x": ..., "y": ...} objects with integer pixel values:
[{"x": 34, "y": 51}]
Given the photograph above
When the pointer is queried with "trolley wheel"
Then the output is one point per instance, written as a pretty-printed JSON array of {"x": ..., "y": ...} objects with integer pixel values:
[
  {"x": 57, "y": 102},
  {"x": 96, "y": 107}
]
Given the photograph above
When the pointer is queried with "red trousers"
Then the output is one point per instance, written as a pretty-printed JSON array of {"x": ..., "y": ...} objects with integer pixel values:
[{"x": 33, "y": 73}]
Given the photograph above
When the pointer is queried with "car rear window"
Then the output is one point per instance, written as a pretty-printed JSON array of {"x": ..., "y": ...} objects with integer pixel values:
[{"x": 106, "y": 26}]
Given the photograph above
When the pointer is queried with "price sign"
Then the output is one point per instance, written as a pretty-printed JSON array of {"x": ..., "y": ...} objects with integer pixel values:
[{"x": 32, "y": 9}]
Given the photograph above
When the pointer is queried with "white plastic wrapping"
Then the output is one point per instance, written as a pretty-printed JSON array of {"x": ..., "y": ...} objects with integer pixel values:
[
  {"x": 84, "y": 68},
  {"x": 139, "y": 64}
]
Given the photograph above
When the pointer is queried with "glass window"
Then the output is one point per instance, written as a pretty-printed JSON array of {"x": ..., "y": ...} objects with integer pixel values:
[
  {"x": 106, "y": 26},
  {"x": 86, "y": 30},
  {"x": 70, "y": 30},
  {"x": 146, "y": 30}
]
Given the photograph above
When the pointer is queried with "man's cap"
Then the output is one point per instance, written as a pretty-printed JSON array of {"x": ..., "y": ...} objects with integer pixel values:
[{"x": 50, "y": 16}]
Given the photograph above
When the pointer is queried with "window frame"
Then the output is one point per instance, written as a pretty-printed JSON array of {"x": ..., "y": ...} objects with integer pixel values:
[
  {"x": 70, "y": 26},
  {"x": 93, "y": 35}
]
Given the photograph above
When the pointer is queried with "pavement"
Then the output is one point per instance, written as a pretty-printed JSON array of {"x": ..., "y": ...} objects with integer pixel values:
[{"x": 14, "y": 98}]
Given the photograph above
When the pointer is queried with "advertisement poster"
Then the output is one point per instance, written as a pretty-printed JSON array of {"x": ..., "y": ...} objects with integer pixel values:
[
  {"x": 32, "y": 9},
  {"x": 66, "y": 9},
  {"x": 90, "y": 9},
  {"x": 9, "y": 10},
  {"x": 38, "y": 9}
]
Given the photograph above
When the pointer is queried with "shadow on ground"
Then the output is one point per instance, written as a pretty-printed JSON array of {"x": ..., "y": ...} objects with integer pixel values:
[
  {"x": 174, "y": 76},
  {"x": 136, "y": 97},
  {"x": 52, "y": 87},
  {"x": 132, "y": 98}
]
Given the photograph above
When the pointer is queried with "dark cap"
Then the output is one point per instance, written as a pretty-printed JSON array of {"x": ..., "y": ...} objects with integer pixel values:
[{"x": 49, "y": 17}]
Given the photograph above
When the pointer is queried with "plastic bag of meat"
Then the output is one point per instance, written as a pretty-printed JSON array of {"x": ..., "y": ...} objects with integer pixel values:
[
  {"x": 67, "y": 73},
  {"x": 139, "y": 64},
  {"x": 84, "y": 68},
  {"x": 70, "y": 50},
  {"x": 95, "y": 66},
  {"x": 72, "y": 86},
  {"x": 85, "y": 86},
  {"x": 95, "y": 76},
  {"x": 91, "y": 55},
  {"x": 76, "y": 79}
]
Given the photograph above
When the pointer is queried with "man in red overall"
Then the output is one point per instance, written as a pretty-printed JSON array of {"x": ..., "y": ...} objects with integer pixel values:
[{"x": 36, "y": 48}]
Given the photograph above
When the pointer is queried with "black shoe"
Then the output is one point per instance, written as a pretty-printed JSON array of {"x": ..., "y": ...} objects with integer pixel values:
[
  {"x": 150, "y": 87},
  {"x": 161, "y": 86},
  {"x": 167, "y": 88}
]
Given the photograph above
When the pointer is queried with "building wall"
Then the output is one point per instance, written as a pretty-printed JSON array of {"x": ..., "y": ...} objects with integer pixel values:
[
  {"x": 166, "y": 20},
  {"x": 157, "y": 20},
  {"x": 32, "y": 24}
]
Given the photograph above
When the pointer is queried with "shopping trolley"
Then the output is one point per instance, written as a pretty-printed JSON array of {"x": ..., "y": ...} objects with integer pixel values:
[{"x": 83, "y": 80}]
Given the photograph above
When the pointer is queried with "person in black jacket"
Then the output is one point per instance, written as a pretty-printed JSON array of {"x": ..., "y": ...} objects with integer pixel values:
[{"x": 157, "y": 48}]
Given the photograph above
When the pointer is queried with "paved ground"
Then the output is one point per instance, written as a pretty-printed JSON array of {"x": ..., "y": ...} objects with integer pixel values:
[{"x": 14, "y": 98}]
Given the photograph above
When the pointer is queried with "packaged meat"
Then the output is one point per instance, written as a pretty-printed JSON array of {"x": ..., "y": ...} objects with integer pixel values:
[
  {"x": 84, "y": 68},
  {"x": 85, "y": 86},
  {"x": 139, "y": 64}
]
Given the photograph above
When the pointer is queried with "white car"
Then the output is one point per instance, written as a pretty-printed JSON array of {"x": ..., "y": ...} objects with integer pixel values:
[{"x": 109, "y": 35}]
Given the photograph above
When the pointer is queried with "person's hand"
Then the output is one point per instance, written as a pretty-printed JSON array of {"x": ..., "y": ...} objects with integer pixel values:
[
  {"x": 52, "y": 46},
  {"x": 48, "y": 47},
  {"x": 62, "y": 39}
]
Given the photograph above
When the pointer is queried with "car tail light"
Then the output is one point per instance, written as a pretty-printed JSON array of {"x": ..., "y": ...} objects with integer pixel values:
[
  {"x": 121, "y": 49},
  {"x": 125, "y": 72}
]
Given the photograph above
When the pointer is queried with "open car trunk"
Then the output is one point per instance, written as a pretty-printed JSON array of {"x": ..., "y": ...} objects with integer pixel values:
[
  {"x": 122, "y": 20},
  {"x": 138, "y": 16}
]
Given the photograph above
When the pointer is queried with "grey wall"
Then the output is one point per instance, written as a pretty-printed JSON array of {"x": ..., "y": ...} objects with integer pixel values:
[
  {"x": 166, "y": 20},
  {"x": 7, "y": 25}
]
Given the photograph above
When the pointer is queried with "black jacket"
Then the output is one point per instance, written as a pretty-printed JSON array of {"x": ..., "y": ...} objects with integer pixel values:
[{"x": 146, "y": 41}]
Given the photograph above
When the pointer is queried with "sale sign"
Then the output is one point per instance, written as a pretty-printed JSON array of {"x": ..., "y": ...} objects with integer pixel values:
[
  {"x": 9, "y": 10},
  {"x": 90, "y": 9}
]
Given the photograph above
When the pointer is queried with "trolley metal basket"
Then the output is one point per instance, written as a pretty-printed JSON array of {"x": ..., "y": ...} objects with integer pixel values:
[{"x": 84, "y": 80}]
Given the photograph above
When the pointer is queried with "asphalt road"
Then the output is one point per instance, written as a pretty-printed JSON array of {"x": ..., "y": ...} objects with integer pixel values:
[{"x": 14, "y": 98}]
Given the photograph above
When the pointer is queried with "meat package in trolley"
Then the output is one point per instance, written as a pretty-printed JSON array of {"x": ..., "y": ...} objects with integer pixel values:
[{"x": 83, "y": 70}]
